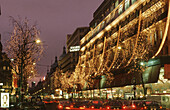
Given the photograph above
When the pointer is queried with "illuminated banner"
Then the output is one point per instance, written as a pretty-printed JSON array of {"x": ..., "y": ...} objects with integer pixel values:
[
  {"x": 74, "y": 48},
  {"x": 167, "y": 71},
  {"x": 5, "y": 100}
]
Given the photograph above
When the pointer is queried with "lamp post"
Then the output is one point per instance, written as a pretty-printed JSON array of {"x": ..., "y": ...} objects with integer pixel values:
[
  {"x": 143, "y": 65},
  {"x": 134, "y": 86},
  {"x": 22, "y": 53}
]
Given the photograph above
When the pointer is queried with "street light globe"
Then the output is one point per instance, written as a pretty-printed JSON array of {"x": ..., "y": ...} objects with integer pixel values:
[
  {"x": 119, "y": 47},
  {"x": 142, "y": 63},
  {"x": 12, "y": 59},
  {"x": 38, "y": 41}
]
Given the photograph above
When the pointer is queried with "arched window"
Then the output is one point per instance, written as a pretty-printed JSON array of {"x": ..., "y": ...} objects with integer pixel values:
[
  {"x": 133, "y": 1},
  {"x": 120, "y": 9},
  {"x": 116, "y": 3},
  {"x": 127, "y": 4}
]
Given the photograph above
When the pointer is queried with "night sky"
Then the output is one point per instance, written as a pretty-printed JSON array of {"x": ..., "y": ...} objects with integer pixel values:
[{"x": 55, "y": 19}]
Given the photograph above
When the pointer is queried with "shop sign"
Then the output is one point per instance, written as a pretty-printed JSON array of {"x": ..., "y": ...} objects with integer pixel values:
[
  {"x": 4, "y": 100},
  {"x": 74, "y": 48}
]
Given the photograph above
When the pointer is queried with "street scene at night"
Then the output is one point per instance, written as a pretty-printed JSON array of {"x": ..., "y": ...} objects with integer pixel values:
[{"x": 84, "y": 54}]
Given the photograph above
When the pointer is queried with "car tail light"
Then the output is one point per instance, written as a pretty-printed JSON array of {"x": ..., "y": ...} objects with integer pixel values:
[
  {"x": 160, "y": 107},
  {"x": 145, "y": 107},
  {"x": 92, "y": 107},
  {"x": 71, "y": 106},
  {"x": 107, "y": 107},
  {"x": 83, "y": 107},
  {"x": 67, "y": 108},
  {"x": 45, "y": 102},
  {"x": 133, "y": 106},
  {"x": 124, "y": 107},
  {"x": 60, "y": 106}
]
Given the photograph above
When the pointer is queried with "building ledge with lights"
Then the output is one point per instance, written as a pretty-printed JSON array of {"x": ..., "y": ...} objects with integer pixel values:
[{"x": 125, "y": 31}]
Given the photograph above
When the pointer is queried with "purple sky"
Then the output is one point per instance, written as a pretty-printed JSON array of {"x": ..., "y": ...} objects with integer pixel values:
[{"x": 55, "y": 19}]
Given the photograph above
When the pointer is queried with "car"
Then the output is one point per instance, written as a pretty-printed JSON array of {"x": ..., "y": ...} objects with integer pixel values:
[
  {"x": 113, "y": 104},
  {"x": 25, "y": 106},
  {"x": 142, "y": 105},
  {"x": 39, "y": 105},
  {"x": 64, "y": 105},
  {"x": 81, "y": 104},
  {"x": 12, "y": 106},
  {"x": 46, "y": 101},
  {"x": 96, "y": 104},
  {"x": 131, "y": 105},
  {"x": 152, "y": 105}
]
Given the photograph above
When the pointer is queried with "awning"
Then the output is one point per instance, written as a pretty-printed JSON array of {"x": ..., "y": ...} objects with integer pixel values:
[{"x": 150, "y": 75}]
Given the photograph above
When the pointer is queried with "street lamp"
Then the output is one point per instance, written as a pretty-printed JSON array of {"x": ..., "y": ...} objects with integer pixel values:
[
  {"x": 12, "y": 60},
  {"x": 38, "y": 41},
  {"x": 143, "y": 65},
  {"x": 119, "y": 47}
]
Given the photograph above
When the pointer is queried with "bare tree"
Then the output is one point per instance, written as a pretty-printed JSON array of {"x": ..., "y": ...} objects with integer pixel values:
[
  {"x": 24, "y": 48},
  {"x": 65, "y": 81}
]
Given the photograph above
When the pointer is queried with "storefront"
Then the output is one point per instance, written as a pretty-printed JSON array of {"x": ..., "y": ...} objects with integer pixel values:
[{"x": 156, "y": 78}]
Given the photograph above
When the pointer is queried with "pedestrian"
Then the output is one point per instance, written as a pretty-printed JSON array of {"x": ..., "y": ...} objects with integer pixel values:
[{"x": 40, "y": 104}]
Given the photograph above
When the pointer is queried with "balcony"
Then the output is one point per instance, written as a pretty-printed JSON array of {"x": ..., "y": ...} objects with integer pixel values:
[{"x": 114, "y": 18}]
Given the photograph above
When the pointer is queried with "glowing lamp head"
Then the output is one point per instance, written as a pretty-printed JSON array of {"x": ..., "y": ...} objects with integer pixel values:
[
  {"x": 60, "y": 106},
  {"x": 133, "y": 106},
  {"x": 12, "y": 59},
  {"x": 124, "y": 107},
  {"x": 145, "y": 107},
  {"x": 160, "y": 107},
  {"x": 142, "y": 63},
  {"x": 119, "y": 48},
  {"x": 38, "y": 41},
  {"x": 108, "y": 107}
]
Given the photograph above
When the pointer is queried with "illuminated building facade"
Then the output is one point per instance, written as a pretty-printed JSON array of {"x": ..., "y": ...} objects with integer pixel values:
[
  {"x": 69, "y": 59},
  {"x": 123, "y": 34},
  {"x": 5, "y": 72}
]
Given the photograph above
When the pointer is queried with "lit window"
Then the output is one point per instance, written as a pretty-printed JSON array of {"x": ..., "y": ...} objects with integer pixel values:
[
  {"x": 155, "y": 36},
  {"x": 133, "y": 1},
  {"x": 161, "y": 34},
  {"x": 95, "y": 24},
  {"x": 4, "y": 67},
  {"x": 121, "y": 9},
  {"x": 150, "y": 38},
  {"x": 116, "y": 3},
  {"x": 8, "y": 68},
  {"x": 127, "y": 4},
  {"x": 112, "y": 7},
  {"x": 103, "y": 23}
]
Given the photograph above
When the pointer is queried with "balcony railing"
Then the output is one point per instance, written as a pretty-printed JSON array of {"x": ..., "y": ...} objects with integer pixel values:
[{"x": 110, "y": 18}]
